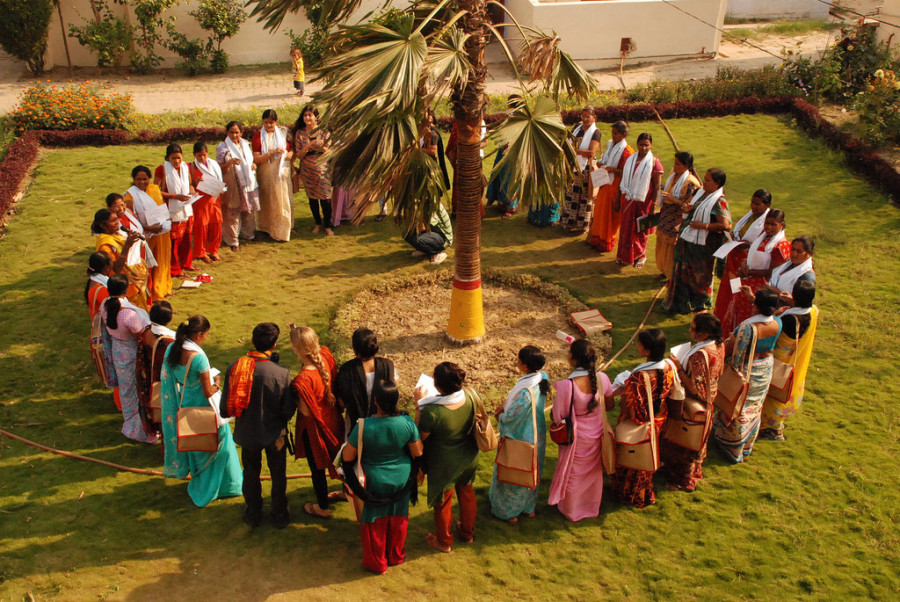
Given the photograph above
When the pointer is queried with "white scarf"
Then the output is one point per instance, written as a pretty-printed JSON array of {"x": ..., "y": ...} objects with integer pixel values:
[
  {"x": 758, "y": 319},
  {"x": 144, "y": 203},
  {"x": 443, "y": 400},
  {"x": 279, "y": 142},
  {"x": 697, "y": 348},
  {"x": 244, "y": 171},
  {"x": 135, "y": 222},
  {"x": 192, "y": 346},
  {"x": 99, "y": 279},
  {"x": 178, "y": 183},
  {"x": 785, "y": 276},
  {"x": 526, "y": 382},
  {"x": 760, "y": 260},
  {"x": 585, "y": 142},
  {"x": 676, "y": 189},
  {"x": 161, "y": 331},
  {"x": 797, "y": 311},
  {"x": 210, "y": 169},
  {"x": 755, "y": 228},
  {"x": 613, "y": 153},
  {"x": 125, "y": 303},
  {"x": 702, "y": 213},
  {"x": 660, "y": 365},
  {"x": 636, "y": 180}
]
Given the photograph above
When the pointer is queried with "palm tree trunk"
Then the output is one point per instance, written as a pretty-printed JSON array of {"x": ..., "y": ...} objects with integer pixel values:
[{"x": 466, "y": 323}]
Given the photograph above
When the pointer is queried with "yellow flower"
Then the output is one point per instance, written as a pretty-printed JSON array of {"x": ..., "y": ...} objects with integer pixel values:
[{"x": 879, "y": 73}]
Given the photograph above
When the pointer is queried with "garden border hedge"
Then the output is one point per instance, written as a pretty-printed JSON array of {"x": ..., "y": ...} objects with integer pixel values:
[{"x": 861, "y": 157}]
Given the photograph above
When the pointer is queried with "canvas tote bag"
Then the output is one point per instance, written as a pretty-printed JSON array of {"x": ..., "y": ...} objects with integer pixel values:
[
  {"x": 783, "y": 374},
  {"x": 485, "y": 434},
  {"x": 517, "y": 461},
  {"x": 637, "y": 444},
  {"x": 734, "y": 386},
  {"x": 97, "y": 353},
  {"x": 690, "y": 429},
  {"x": 197, "y": 428}
]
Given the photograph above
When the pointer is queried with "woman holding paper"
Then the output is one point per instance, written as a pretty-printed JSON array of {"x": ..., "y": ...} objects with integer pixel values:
[
  {"x": 117, "y": 245},
  {"x": 241, "y": 199},
  {"x": 631, "y": 486},
  {"x": 578, "y": 207},
  {"x": 699, "y": 372},
  {"x": 745, "y": 231},
  {"x": 122, "y": 324},
  {"x": 736, "y": 439},
  {"x": 707, "y": 217},
  {"x": 186, "y": 382},
  {"x": 577, "y": 486},
  {"x": 768, "y": 251},
  {"x": 607, "y": 218},
  {"x": 639, "y": 186},
  {"x": 174, "y": 180},
  {"x": 798, "y": 269},
  {"x": 272, "y": 156},
  {"x": 679, "y": 187},
  {"x": 518, "y": 420},
  {"x": 145, "y": 201},
  {"x": 206, "y": 177}
]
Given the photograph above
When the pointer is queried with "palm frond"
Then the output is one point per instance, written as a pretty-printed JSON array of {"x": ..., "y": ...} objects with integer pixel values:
[
  {"x": 448, "y": 63},
  {"x": 542, "y": 60},
  {"x": 539, "y": 155},
  {"x": 271, "y": 13}
]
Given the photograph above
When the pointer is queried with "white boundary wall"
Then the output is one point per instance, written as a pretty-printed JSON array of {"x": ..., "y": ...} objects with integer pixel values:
[{"x": 777, "y": 9}]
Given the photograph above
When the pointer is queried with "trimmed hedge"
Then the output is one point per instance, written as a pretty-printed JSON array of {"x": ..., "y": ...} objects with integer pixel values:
[{"x": 860, "y": 156}]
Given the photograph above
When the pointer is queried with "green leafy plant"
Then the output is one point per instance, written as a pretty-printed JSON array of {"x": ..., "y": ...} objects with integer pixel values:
[
  {"x": 107, "y": 35},
  {"x": 194, "y": 51},
  {"x": 23, "y": 30},
  {"x": 222, "y": 18},
  {"x": 312, "y": 44},
  {"x": 150, "y": 22},
  {"x": 71, "y": 107},
  {"x": 879, "y": 108}
]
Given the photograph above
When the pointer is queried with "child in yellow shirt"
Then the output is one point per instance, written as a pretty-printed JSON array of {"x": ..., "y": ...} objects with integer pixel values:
[{"x": 299, "y": 75}]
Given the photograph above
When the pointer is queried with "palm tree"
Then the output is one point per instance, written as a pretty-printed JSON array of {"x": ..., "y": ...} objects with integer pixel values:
[{"x": 382, "y": 76}]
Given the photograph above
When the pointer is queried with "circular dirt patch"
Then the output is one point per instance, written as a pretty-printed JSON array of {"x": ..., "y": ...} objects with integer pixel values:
[{"x": 410, "y": 319}]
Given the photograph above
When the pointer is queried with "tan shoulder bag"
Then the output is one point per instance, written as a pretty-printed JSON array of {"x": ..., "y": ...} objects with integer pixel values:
[{"x": 637, "y": 444}]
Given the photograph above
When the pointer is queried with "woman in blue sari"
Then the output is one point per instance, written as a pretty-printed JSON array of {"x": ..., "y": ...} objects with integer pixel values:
[
  {"x": 185, "y": 382},
  {"x": 515, "y": 418}
]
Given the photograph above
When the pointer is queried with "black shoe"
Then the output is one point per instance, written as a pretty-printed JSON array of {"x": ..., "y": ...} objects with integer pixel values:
[
  {"x": 281, "y": 521},
  {"x": 252, "y": 519}
]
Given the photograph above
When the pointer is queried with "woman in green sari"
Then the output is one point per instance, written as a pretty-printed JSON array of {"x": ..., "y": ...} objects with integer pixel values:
[{"x": 185, "y": 382}]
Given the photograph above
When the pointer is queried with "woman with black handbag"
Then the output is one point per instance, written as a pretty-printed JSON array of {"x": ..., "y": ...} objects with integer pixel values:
[{"x": 577, "y": 487}]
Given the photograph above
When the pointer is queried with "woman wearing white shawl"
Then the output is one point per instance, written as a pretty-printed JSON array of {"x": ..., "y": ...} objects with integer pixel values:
[
  {"x": 514, "y": 417},
  {"x": 746, "y": 230},
  {"x": 690, "y": 289},
  {"x": 208, "y": 209},
  {"x": 639, "y": 187},
  {"x": 575, "y": 214},
  {"x": 240, "y": 201},
  {"x": 798, "y": 269},
  {"x": 604, "y": 232},
  {"x": 679, "y": 187},
  {"x": 174, "y": 180},
  {"x": 272, "y": 156}
]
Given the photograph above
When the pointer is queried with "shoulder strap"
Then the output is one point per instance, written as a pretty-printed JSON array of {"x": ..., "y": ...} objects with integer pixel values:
[
  {"x": 361, "y": 423},
  {"x": 533, "y": 418},
  {"x": 653, "y": 433},
  {"x": 96, "y": 293},
  {"x": 752, "y": 352},
  {"x": 187, "y": 368},
  {"x": 473, "y": 396},
  {"x": 572, "y": 399}
]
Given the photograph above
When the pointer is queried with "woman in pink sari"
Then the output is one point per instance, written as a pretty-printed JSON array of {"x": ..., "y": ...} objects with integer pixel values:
[{"x": 577, "y": 486}]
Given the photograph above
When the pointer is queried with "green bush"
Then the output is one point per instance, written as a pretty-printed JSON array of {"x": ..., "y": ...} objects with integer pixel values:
[
  {"x": 107, "y": 35},
  {"x": 150, "y": 22},
  {"x": 879, "y": 108},
  {"x": 192, "y": 50},
  {"x": 23, "y": 30},
  {"x": 71, "y": 107},
  {"x": 222, "y": 18},
  {"x": 728, "y": 83}
]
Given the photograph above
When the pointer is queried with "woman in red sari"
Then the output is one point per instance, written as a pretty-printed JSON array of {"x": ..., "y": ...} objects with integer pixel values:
[
  {"x": 630, "y": 486},
  {"x": 174, "y": 180},
  {"x": 639, "y": 186},
  {"x": 768, "y": 251},
  {"x": 207, "y": 230},
  {"x": 319, "y": 431},
  {"x": 700, "y": 377}
]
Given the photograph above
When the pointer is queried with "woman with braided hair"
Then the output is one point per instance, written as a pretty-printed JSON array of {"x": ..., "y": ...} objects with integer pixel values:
[
  {"x": 319, "y": 431},
  {"x": 577, "y": 486}
]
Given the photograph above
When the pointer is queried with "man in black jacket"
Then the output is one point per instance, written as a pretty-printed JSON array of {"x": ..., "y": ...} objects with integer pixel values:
[{"x": 258, "y": 393}]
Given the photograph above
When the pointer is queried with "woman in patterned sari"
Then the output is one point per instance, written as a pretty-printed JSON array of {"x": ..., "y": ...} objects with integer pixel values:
[
  {"x": 309, "y": 146},
  {"x": 151, "y": 351},
  {"x": 679, "y": 187},
  {"x": 116, "y": 244},
  {"x": 794, "y": 346},
  {"x": 631, "y": 486},
  {"x": 700, "y": 376},
  {"x": 736, "y": 438},
  {"x": 576, "y": 212}
]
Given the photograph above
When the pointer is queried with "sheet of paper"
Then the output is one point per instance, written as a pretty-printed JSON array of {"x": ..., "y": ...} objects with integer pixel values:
[
  {"x": 735, "y": 284},
  {"x": 193, "y": 199},
  {"x": 600, "y": 177},
  {"x": 621, "y": 377},
  {"x": 723, "y": 251},
  {"x": 134, "y": 255},
  {"x": 158, "y": 214},
  {"x": 190, "y": 284},
  {"x": 428, "y": 383},
  {"x": 680, "y": 352},
  {"x": 212, "y": 187}
]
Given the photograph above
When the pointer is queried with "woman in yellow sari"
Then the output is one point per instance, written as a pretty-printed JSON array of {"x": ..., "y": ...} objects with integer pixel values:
[
  {"x": 794, "y": 346},
  {"x": 143, "y": 200},
  {"x": 116, "y": 244}
]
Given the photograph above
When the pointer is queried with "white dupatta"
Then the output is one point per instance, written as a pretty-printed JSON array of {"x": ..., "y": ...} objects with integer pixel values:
[
  {"x": 785, "y": 276},
  {"x": 760, "y": 260},
  {"x": 178, "y": 183},
  {"x": 279, "y": 142},
  {"x": 245, "y": 176},
  {"x": 794, "y": 311},
  {"x": 210, "y": 169},
  {"x": 585, "y": 144},
  {"x": 755, "y": 229},
  {"x": 613, "y": 153},
  {"x": 674, "y": 189},
  {"x": 636, "y": 178},
  {"x": 443, "y": 400},
  {"x": 526, "y": 382},
  {"x": 702, "y": 213},
  {"x": 125, "y": 303},
  {"x": 99, "y": 279},
  {"x": 143, "y": 204},
  {"x": 698, "y": 347}
]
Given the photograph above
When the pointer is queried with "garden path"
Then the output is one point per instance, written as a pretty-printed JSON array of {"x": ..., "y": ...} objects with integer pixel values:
[{"x": 246, "y": 86}]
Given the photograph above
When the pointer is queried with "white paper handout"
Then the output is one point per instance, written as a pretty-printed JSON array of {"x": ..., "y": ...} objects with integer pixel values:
[
  {"x": 216, "y": 398},
  {"x": 735, "y": 285},
  {"x": 680, "y": 352},
  {"x": 427, "y": 383},
  {"x": 190, "y": 284},
  {"x": 134, "y": 255},
  {"x": 212, "y": 187},
  {"x": 600, "y": 177},
  {"x": 723, "y": 251},
  {"x": 157, "y": 215}
]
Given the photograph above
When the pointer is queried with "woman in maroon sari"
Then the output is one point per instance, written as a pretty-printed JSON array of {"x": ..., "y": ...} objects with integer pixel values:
[{"x": 639, "y": 187}]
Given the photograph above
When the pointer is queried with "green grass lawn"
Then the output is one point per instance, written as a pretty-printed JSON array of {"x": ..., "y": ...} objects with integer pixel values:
[
  {"x": 797, "y": 27},
  {"x": 813, "y": 516}
]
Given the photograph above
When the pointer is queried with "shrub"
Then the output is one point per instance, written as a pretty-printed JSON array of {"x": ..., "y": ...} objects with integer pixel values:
[
  {"x": 107, "y": 35},
  {"x": 149, "y": 17},
  {"x": 23, "y": 30},
  {"x": 879, "y": 108},
  {"x": 70, "y": 107},
  {"x": 22, "y": 155},
  {"x": 728, "y": 83},
  {"x": 193, "y": 51},
  {"x": 312, "y": 45},
  {"x": 222, "y": 18}
]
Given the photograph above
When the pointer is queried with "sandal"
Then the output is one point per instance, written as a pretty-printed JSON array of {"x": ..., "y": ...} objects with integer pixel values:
[
  {"x": 380, "y": 217},
  {"x": 337, "y": 496},
  {"x": 315, "y": 510},
  {"x": 431, "y": 541}
]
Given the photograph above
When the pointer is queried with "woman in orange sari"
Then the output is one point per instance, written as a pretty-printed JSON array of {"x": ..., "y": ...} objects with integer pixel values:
[
  {"x": 604, "y": 231},
  {"x": 143, "y": 200},
  {"x": 116, "y": 244},
  {"x": 320, "y": 430}
]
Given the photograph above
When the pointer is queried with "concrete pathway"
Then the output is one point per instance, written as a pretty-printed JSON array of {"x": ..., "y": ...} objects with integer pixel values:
[{"x": 247, "y": 87}]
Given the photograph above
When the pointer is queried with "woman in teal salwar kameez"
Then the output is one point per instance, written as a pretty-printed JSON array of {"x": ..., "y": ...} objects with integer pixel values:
[
  {"x": 515, "y": 419},
  {"x": 213, "y": 475}
]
